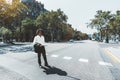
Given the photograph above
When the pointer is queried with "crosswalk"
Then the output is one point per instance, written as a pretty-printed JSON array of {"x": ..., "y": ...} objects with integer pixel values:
[
  {"x": 67, "y": 58},
  {"x": 82, "y": 60},
  {"x": 105, "y": 63},
  {"x": 55, "y": 56},
  {"x": 64, "y": 58}
]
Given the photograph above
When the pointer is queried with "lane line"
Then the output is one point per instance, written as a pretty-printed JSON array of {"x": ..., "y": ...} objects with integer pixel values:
[
  {"x": 54, "y": 56},
  {"x": 113, "y": 57},
  {"x": 83, "y": 60},
  {"x": 67, "y": 58},
  {"x": 105, "y": 63}
]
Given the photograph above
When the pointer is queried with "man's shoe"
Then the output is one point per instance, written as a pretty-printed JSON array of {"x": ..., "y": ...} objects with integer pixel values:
[
  {"x": 47, "y": 65},
  {"x": 39, "y": 64}
]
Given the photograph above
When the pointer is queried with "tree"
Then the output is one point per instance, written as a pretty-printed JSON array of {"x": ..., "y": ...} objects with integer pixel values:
[
  {"x": 35, "y": 8},
  {"x": 68, "y": 32},
  {"x": 117, "y": 19},
  {"x": 10, "y": 12},
  {"x": 52, "y": 21},
  {"x": 3, "y": 7},
  {"x": 115, "y": 24},
  {"x": 28, "y": 29},
  {"x": 100, "y": 22},
  {"x": 5, "y": 33}
]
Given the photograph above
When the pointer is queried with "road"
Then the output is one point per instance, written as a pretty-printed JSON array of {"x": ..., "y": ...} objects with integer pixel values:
[{"x": 81, "y": 60}]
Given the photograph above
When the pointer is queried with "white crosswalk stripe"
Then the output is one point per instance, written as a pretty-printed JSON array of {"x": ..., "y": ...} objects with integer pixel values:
[
  {"x": 67, "y": 58},
  {"x": 54, "y": 56},
  {"x": 105, "y": 63},
  {"x": 83, "y": 60}
]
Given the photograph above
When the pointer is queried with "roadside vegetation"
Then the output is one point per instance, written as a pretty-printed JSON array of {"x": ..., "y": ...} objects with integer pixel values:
[
  {"x": 19, "y": 21},
  {"x": 107, "y": 24}
]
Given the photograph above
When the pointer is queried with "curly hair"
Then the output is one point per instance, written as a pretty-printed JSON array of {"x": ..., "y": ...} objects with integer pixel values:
[{"x": 38, "y": 31}]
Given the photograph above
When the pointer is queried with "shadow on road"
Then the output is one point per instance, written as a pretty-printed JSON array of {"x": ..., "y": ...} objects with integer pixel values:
[{"x": 54, "y": 70}]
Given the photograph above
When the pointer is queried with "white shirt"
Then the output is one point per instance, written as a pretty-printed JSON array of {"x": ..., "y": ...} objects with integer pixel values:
[{"x": 39, "y": 39}]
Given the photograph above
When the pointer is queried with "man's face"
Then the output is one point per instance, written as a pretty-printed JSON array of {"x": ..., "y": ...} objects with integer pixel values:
[{"x": 40, "y": 33}]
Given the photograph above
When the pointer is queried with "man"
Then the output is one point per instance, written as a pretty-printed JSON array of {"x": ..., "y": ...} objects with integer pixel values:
[{"x": 39, "y": 43}]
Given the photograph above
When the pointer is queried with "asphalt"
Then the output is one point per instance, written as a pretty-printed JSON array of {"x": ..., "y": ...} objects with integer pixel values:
[
  {"x": 81, "y": 60},
  {"x": 6, "y": 74},
  {"x": 112, "y": 54}
]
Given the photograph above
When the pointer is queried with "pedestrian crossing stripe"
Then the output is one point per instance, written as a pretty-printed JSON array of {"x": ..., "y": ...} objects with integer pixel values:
[
  {"x": 83, "y": 60},
  {"x": 67, "y": 58},
  {"x": 54, "y": 55},
  {"x": 105, "y": 63}
]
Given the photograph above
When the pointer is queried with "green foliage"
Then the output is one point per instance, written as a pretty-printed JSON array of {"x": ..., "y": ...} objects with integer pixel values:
[
  {"x": 28, "y": 29},
  {"x": 51, "y": 19},
  {"x": 106, "y": 23},
  {"x": 35, "y": 8},
  {"x": 21, "y": 19},
  {"x": 100, "y": 20},
  {"x": 10, "y": 12},
  {"x": 4, "y": 31},
  {"x": 55, "y": 22},
  {"x": 14, "y": 9},
  {"x": 27, "y": 22}
]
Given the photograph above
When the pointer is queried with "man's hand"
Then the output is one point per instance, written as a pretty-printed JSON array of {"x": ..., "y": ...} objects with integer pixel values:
[{"x": 41, "y": 45}]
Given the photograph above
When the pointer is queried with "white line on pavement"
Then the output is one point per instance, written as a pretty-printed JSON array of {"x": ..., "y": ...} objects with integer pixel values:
[
  {"x": 54, "y": 56},
  {"x": 83, "y": 60},
  {"x": 105, "y": 63},
  {"x": 67, "y": 58}
]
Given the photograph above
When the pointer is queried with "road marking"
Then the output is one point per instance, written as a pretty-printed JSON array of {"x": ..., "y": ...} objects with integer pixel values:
[
  {"x": 67, "y": 58},
  {"x": 83, "y": 60},
  {"x": 54, "y": 56},
  {"x": 114, "y": 58},
  {"x": 105, "y": 63}
]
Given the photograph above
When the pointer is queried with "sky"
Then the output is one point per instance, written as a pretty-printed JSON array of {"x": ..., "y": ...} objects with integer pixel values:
[{"x": 80, "y": 12}]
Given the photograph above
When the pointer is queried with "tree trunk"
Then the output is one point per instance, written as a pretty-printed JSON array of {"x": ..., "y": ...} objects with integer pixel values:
[
  {"x": 107, "y": 38},
  {"x": 52, "y": 37},
  {"x": 101, "y": 35}
]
